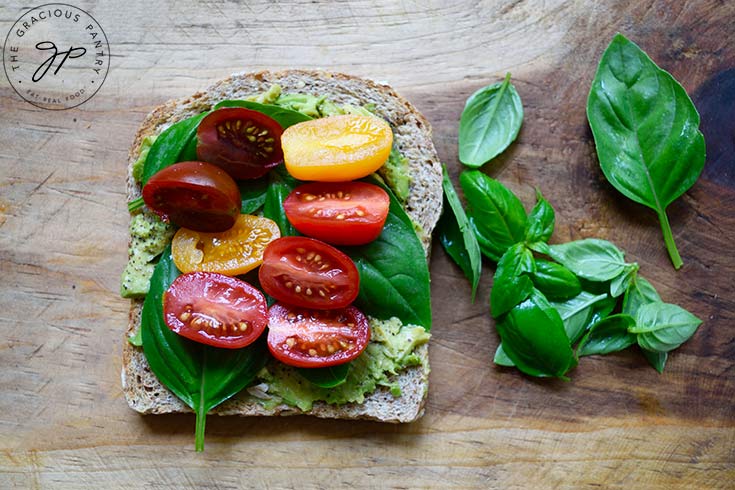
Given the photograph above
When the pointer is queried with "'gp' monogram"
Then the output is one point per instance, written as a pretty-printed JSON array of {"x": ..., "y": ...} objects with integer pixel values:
[{"x": 46, "y": 65}]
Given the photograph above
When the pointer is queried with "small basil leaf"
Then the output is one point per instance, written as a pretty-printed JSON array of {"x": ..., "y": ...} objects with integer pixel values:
[
  {"x": 497, "y": 215},
  {"x": 656, "y": 359},
  {"x": 280, "y": 186},
  {"x": 510, "y": 287},
  {"x": 490, "y": 121},
  {"x": 608, "y": 335},
  {"x": 620, "y": 284},
  {"x": 394, "y": 273},
  {"x": 540, "y": 247},
  {"x": 327, "y": 377},
  {"x": 662, "y": 327},
  {"x": 540, "y": 221},
  {"x": 646, "y": 132},
  {"x": 284, "y": 117},
  {"x": 602, "y": 310},
  {"x": 555, "y": 281},
  {"x": 457, "y": 237},
  {"x": 253, "y": 194},
  {"x": 639, "y": 293},
  {"x": 501, "y": 358},
  {"x": 592, "y": 259},
  {"x": 576, "y": 313},
  {"x": 169, "y": 146},
  {"x": 533, "y": 338}
]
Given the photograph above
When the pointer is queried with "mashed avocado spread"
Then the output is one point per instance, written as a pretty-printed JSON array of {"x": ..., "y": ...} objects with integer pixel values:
[{"x": 392, "y": 346}]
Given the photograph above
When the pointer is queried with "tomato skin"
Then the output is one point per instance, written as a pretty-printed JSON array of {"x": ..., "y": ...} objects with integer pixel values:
[
  {"x": 215, "y": 309},
  {"x": 340, "y": 213},
  {"x": 308, "y": 273},
  {"x": 304, "y": 338},
  {"x": 231, "y": 252},
  {"x": 336, "y": 148},
  {"x": 194, "y": 195},
  {"x": 244, "y": 143}
]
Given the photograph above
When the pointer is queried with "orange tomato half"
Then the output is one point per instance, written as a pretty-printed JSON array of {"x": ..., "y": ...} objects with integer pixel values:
[
  {"x": 232, "y": 252},
  {"x": 336, "y": 148}
]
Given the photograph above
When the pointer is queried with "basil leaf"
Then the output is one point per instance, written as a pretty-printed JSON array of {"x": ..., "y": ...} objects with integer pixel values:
[
  {"x": 639, "y": 293},
  {"x": 592, "y": 259},
  {"x": 253, "y": 194},
  {"x": 457, "y": 237},
  {"x": 662, "y": 327},
  {"x": 497, "y": 215},
  {"x": 656, "y": 359},
  {"x": 189, "y": 153},
  {"x": 280, "y": 186},
  {"x": 490, "y": 121},
  {"x": 327, "y": 377},
  {"x": 510, "y": 287},
  {"x": 620, "y": 283},
  {"x": 646, "y": 132},
  {"x": 501, "y": 358},
  {"x": 394, "y": 273},
  {"x": 201, "y": 376},
  {"x": 555, "y": 281},
  {"x": 608, "y": 335},
  {"x": 602, "y": 310},
  {"x": 576, "y": 313},
  {"x": 533, "y": 338},
  {"x": 169, "y": 146},
  {"x": 284, "y": 117},
  {"x": 540, "y": 221}
]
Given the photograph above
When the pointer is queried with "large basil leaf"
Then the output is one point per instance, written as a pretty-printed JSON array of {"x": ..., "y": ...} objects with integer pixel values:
[
  {"x": 394, "y": 273},
  {"x": 284, "y": 117},
  {"x": 457, "y": 237},
  {"x": 577, "y": 312},
  {"x": 280, "y": 186},
  {"x": 592, "y": 259},
  {"x": 662, "y": 327},
  {"x": 533, "y": 338},
  {"x": 639, "y": 293},
  {"x": 327, "y": 377},
  {"x": 510, "y": 284},
  {"x": 608, "y": 335},
  {"x": 490, "y": 121},
  {"x": 170, "y": 145},
  {"x": 497, "y": 215},
  {"x": 201, "y": 376},
  {"x": 540, "y": 221},
  {"x": 555, "y": 281},
  {"x": 646, "y": 132}
]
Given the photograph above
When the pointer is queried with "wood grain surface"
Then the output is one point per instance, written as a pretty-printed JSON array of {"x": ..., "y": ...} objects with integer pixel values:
[{"x": 64, "y": 423}]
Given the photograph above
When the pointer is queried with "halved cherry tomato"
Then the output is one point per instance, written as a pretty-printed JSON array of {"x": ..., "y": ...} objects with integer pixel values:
[
  {"x": 215, "y": 309},
  {"x": 337, "y": 148},
  {"x": 245, "y": 143},
  {"x": 316, "y": 338},
  {"x": 306, "y": 272},
  {"x": 340, "y": 213},
  {"x": 232, "y": 252},
  {"x": 195, "y": 195}
]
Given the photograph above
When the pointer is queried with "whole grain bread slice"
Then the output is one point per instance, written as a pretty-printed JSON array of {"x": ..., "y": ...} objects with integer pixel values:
[{"x": 412, "y": 136}]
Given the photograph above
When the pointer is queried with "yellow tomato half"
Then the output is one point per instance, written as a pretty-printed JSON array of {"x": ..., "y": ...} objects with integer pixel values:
[
  {"x": 232, "y": 252},
  {"x": 337, "y": 148}
]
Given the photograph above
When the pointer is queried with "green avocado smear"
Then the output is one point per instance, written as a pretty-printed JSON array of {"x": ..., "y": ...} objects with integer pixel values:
[{"x": 392, "y": 347}]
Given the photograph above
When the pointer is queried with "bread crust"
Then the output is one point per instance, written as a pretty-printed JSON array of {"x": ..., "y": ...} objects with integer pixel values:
[{"x": 412, "y": 135}]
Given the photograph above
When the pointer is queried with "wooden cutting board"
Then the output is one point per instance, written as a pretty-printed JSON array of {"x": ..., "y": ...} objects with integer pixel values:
[{"x": 617, "y": 424}]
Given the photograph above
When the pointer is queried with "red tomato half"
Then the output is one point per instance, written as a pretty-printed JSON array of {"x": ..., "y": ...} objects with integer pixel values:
[
  {"x": 341, "y": 213},
  {"x": 245, "y": 143},
  {"x": 215, "y": 309},
  {"x": 306, "y": 272},
  {"x": 316, "y": 338},
  {"x": 194, "y": 195}
]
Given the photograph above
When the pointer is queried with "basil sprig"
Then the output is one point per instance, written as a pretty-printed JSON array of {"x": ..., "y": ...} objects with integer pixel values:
[
  {"x": 199, "y": 375},
  {"x": 646, "y": 132}
]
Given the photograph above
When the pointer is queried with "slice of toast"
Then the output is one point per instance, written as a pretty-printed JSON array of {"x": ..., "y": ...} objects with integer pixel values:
[{"x": 412, "y": 136}]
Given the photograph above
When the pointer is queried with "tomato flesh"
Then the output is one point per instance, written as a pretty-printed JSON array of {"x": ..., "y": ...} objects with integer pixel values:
[
  {"x": 309, "y": 273},
  {"x": 340, "y": 213},
  {"x": 243, "y": 142},
  {"x": 316, "y": 338},
  {"x": 336, "y": 148},
  {"x": 232, "y": 252},
  {"x": 215, "y": 309},
  {"x": 194, "y": 195}
]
